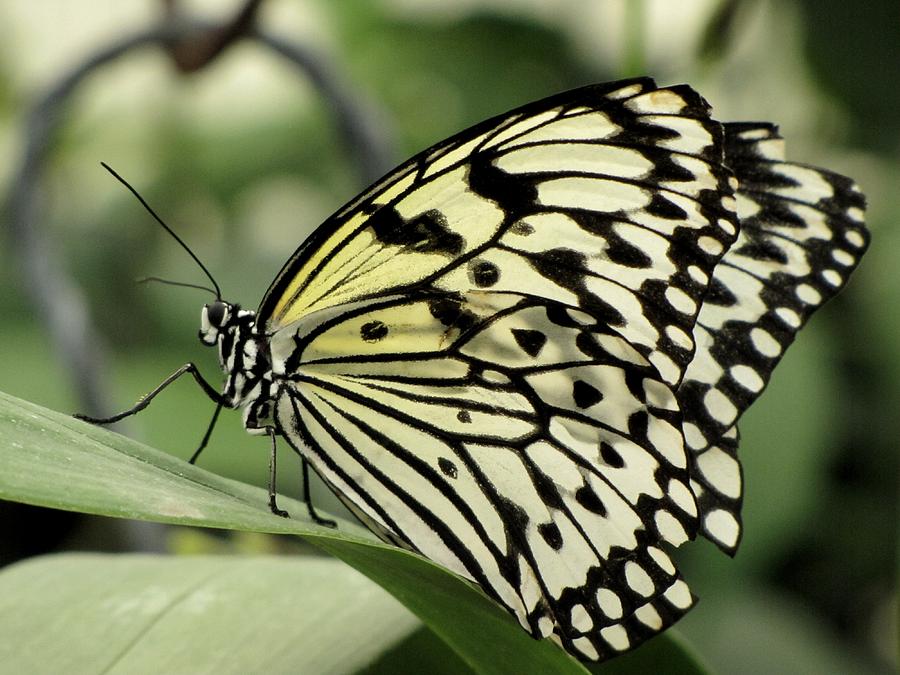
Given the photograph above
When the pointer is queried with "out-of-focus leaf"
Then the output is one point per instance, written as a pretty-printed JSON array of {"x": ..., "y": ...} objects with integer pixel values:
[{"x": 91, "y": 613}]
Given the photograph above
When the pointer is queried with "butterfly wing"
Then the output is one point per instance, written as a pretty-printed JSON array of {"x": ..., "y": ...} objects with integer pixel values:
[
  {"x": 801, "y": 236},
  {"x": 518, "y": 442},
  {"x": 480, "y": 353}
]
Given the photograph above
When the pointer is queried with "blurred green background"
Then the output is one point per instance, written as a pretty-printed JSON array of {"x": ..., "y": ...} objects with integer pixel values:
[{"x": 244, "y": 159}]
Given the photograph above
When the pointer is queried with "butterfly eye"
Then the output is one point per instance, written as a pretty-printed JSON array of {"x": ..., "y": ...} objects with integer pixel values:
[{"x": 217, "y": 313}]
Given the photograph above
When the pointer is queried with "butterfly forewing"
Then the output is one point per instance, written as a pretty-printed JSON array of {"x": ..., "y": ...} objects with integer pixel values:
[
  {"x": 801, "y": 235},
  {"x": 630, "y": 229}
]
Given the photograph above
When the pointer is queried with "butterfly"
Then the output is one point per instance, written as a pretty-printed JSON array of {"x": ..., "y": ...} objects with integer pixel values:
[{"x": 523, "y": 353}]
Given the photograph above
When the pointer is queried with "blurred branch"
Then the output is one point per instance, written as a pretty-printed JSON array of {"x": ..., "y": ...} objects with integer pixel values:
[
  {"x": 357, "y": 122},
  {"x": 361, "y": 125},
  {"x": 194, "y": 52},
  {"x": 57, "y": 299}
]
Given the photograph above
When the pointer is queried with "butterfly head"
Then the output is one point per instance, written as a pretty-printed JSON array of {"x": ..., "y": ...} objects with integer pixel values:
[
  {"x": 214, "y": 319},
  {"x": 222, "y": 320},
  {"x": 243, "y": 353}
]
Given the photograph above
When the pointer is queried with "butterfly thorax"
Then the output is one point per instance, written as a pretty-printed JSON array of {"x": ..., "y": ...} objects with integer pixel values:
[{"x": 244, "y": 357}]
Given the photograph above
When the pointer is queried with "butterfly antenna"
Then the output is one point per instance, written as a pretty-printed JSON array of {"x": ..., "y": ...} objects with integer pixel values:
[
  {"x": 170, "y": 282},
  {"x": 165, "y": 227}
]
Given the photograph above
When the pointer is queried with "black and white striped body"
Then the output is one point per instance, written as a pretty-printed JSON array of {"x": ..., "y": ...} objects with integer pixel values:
[{"x": 244, "y": 357}]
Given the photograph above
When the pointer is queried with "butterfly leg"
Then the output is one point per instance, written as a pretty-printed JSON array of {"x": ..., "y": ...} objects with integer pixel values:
[
  {"x": 209, "y": 430},
  {"x": 207, "y": 388},
  {"x": 319, "y": 520},
  {"x": 272, "y": 503}
]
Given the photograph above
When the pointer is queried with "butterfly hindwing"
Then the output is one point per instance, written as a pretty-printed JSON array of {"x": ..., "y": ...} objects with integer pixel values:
[
  {"x": 801, "y": 235},
  {"x": 515, "y": 441}
]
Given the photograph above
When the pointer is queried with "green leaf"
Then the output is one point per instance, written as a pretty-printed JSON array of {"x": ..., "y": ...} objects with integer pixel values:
[
  {"x": 420, "y": 652},
  {"x": 53, "y": 460},
  {"x": 205, "y": 614}
]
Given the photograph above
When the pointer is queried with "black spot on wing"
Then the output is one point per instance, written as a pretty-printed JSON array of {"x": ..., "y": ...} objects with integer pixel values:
[
  {"x": 551, "y": 534},
  {"x": 641, "y": 132},
  {"x": 719, "y": 294},
  {"x": 451, "y": 313},
  {"x": 464, "y": 416},
  {"x": 557, "y": 315},
  {"x": 531, "y": 341},
  {"x": 446, "y": 310},
  {"x": 634, "y": 380},
  {"x": 638, "y": 424},
  {"x": 664, "y": 169},
  {"x": 778, "y": 211},
  {"x": 514, "y": 194},
  {"x": 514, "y": 516},
  {"x": 547, "y": 491},
  {"x": 661, "y": 207},
  {"x": 521, "y": 228},
  {"x": 623, "y": 253},
  {"x": 373, "y": 331},
  {"x": 611, "y": 456},
  {"x": 585, "y": 395},
  {"x": 589, "y": 500},
  {"x": 566, "y": 268},
  {"x": 427, "y": 232},
  {"x": 561, "y": 265},
  {"x": 448, "y": 467},
  {"x": 484, "y": 273},
  {"x": 618, "y": 249},
  {"x": 763, "y": 249}
]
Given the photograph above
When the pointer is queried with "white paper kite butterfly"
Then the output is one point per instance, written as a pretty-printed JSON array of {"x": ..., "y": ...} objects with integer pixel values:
[{"x": 523, "y": 353}]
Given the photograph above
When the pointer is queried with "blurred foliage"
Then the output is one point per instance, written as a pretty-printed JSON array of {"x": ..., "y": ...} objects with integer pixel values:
[
  {"x": 432, "y": 75},
  {"x": 856, "y": 55},
  {"x": 244, "y": 160}
]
